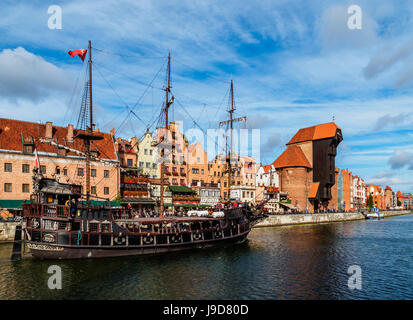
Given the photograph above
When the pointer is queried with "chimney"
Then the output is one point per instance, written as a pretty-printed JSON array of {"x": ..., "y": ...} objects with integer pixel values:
[
  {"x": 112, "y": 132},
  {"x": 70, "y": 133},
  {"x": 49, "y": 130}
]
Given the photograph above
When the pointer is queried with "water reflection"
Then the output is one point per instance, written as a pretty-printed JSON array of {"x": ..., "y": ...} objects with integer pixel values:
[{"x": 297, "y": 262}]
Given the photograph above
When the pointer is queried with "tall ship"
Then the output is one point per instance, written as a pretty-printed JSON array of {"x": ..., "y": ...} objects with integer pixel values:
[{"x": 61, "y": 221}]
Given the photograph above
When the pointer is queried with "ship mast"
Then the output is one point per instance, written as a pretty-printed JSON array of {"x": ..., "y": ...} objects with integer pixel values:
[
  {"x": 90, "y": 129},
  {"x": 230, "y": 122},
  {"x": 88, "y": 135},
  {"x": 167, "y": 104}
]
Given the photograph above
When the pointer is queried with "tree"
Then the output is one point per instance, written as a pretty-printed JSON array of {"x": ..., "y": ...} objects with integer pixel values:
[
  {"x": 370, "y": 202},
  {"x": 118, "y": 199},
  {"x": 399, "y": 203}
]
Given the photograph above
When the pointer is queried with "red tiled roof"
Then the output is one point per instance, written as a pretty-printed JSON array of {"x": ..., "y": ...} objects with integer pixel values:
[
  {"x": 267, "y": 168},
  {"x": 314, "y": 190},
  {"x": 11, "y": 132},
  {"x": 293, "y": 156},
  {"x": 399, "y": 194},
  {"x": 388, "y": 188},
  {"x": 321, "y": 131}
]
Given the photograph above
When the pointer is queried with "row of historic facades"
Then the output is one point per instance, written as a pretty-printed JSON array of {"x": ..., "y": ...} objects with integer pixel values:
[{"x": 304, "y": 177}]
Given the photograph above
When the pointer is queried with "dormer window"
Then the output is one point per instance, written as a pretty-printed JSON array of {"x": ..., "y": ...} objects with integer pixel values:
[
  {"x": 27, "y": 144},
  {"x": 28, "y": 148},
  {"x": 94, "y": 153}
]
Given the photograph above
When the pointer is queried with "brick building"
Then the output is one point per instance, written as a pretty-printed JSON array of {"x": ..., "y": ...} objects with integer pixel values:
[
  {"x": 174, "y": 146},
  {"x": 61, "y": 156},
  {"x": 197, "y": 165},
  {"x": 307, "y": 167}
]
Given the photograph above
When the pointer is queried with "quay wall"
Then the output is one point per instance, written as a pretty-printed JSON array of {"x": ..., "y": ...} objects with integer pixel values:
[
  {"x": 296, "y": 219},
  {"x": 7, "y": 230}
]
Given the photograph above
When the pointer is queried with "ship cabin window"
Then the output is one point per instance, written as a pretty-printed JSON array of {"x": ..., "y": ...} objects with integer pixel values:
[
  {"x": 75, "y": 226},
  {"x": 50, "y": 225},
  {"x": 206, "y": 225},
  {"x": 62, "y": 225},
  {"x": 196, "y": 226},
  {"x": 93, "y": 227},
  {"x": 106, "y": 227},
  {"x": 184, "y": 226},
  {"x": 156, "y": 228},
  {"x": 146, "y": 228}
]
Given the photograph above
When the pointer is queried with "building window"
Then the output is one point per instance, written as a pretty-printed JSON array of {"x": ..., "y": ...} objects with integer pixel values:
[
  {"x": 25, "y": 168},
  {"x": 64, "y": 171},
  {"x": 195, "y": 171},
  {"x": 202, "y": 171},
  {"x": 148, "y": 165},
  {"x": 106, "y": 173},
  {"x": 7, "y": 187},
  {"x": 43, "y": 169},
  {"x": 198, "y": 159},
  {"x": 150, "y": 152},
  {"x": 140, "y": 164},
  {"x": 80, "y": 172},
  {"x": 182, "y": 182},
  {"x": 8, "y": 167},
  {"x": 27, "y": 148},
  {"x": 129, "y": 162},
  {"x": 145, "y": 151},
  {"x": 106, "y": 190},
  {"x": 154, "y": 166},
  {"x": 25, "y": 188},
  {"x": 93, "y": 190},
  {"x": 93, "y": 172}
]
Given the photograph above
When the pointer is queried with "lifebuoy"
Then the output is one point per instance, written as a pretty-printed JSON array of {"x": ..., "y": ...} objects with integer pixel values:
[
  {"x": 218, "y": 234},
  {"x": 67, "y": 203},
  {"x": 175, "y": 238},
  {"x": 148, "y": 240},
  {"x": 197, "y": 236}
]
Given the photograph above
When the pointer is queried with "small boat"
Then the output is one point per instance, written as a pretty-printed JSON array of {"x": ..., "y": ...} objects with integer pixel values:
[{"x": 374, "y": 214}]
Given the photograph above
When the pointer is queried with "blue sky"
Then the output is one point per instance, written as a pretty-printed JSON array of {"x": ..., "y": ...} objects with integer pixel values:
[{"x": 294, "y": 64}]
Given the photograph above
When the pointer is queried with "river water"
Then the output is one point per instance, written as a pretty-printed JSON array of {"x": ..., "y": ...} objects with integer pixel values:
[{"x": 295, "y": 262}]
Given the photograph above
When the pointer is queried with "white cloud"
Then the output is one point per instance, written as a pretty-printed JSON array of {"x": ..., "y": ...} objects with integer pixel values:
[{"x": 24, "y": 75}]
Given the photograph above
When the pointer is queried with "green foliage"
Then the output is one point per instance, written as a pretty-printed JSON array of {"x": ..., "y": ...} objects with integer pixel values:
[
  {"x": 399, "y": 203},
  {"x": 118, "y": 199},
  {"x": 370, "y": 202}
]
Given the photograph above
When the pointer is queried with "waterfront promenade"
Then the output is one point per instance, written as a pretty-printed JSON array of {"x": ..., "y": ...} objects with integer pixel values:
[{"x": 297, "y": 219}]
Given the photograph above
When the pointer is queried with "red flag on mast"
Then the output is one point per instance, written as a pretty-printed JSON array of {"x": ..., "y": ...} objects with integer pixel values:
[{"x": 79, "y": 52}]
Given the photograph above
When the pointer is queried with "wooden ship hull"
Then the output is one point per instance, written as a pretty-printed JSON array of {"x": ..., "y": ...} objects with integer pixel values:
[{"x": 69, "y": 252}]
